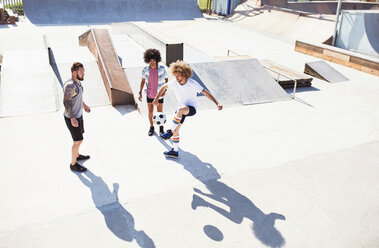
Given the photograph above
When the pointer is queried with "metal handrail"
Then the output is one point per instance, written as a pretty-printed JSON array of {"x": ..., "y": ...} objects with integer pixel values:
[{"x": 279, "y": 74}]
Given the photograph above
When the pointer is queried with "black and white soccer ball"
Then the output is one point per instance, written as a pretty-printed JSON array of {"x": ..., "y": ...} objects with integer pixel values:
[{"x": 159, "y": 119}]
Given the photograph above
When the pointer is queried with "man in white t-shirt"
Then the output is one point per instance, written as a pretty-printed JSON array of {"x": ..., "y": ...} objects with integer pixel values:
[{"x": 186, "y": 90}]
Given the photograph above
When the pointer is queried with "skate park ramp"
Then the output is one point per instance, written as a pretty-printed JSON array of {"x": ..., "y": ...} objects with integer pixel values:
[
  {"x": 359, "y": 32},
  {"x": 61, "y": 60},
  {"x": 324, "y": 71},
  {"x": 75, "y": 12},
  {"x": 233, "y": 83},
  {"x": 28, "y": 84},
  {"x": 130, "y": 53},
  {"x": 285, "y": 25}
]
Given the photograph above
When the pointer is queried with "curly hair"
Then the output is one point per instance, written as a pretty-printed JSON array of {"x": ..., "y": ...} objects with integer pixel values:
[
  {"x": 182, "y": 67},
  {"x": 150, "y": 54}
]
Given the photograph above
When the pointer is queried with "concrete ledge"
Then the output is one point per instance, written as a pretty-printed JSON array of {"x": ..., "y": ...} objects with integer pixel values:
[
  {"x": 100, "y": 44},
  {"x": 170, "y": 49},
  {"x": 337, "y": 55}
]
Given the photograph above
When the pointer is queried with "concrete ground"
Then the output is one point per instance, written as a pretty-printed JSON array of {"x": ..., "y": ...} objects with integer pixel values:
[{"x": 297, "y": 173}]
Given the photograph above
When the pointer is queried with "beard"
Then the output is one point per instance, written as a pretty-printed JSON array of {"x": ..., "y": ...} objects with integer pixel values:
[{"x": 80, "y": 78}]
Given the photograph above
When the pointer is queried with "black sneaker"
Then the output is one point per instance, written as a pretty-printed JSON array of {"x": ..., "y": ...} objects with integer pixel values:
[
  {"x": 151, "y": 131},
  {"x": 83, "y": 157},
  {"x": 77, "y": 167},
  {"x": 167, "y": 134},
  {"x": 161, "y": 130},
  {"x": 171, "y": 153}
]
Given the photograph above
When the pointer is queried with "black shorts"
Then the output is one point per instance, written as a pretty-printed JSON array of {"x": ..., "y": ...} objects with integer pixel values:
[
  {"x": 152, "y": 99},
  {"x": 76, "y": 132},
  {"x": 192, "y": 111}
]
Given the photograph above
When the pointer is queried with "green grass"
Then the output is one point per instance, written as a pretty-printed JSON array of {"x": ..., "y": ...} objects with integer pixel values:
[{"x": 17, "y": 7}]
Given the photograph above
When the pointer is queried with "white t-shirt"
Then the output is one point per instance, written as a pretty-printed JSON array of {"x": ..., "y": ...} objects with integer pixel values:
[{"x": 186, "y": 94}]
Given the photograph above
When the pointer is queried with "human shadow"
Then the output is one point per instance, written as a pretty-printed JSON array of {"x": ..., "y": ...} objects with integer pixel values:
[
  {"x": 238, "y": 205},
  {"x": 119, "y": 221}
]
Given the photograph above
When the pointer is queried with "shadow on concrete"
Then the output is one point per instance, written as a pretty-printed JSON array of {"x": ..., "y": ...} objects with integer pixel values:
[
  {"x": 302, "y": 89},
  {"x": 119, "y": 221},
  {"x": 213, "y": 233},
  {"x": 238, "y": 205},
  {"x": 125, "y": 109},
  {"x": 53, "y": 64}
]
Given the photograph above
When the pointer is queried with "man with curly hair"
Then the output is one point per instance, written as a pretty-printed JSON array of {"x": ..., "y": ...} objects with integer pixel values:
[
  {"x": 186, "y": 90},
  {"x": 153, "y": 76}
]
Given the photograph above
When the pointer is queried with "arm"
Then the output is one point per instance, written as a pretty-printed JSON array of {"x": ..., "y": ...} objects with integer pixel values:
[
  {"x": 70, "y": 92},
  {"x": 140, "y": 89},
  {"x": 86, "y": 108},
  {"x": 161, "y": 91},
  {"x": 211, "y": 97},
  {"x": 166, "y": 80}
]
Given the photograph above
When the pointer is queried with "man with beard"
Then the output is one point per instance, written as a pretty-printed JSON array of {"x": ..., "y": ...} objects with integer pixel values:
[{"x": 73, "y": 115}]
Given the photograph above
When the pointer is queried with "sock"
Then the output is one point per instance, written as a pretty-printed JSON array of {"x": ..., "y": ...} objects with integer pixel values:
[
  {"x": 175, "y": 142},
  {"x": 175, "y": 122}
]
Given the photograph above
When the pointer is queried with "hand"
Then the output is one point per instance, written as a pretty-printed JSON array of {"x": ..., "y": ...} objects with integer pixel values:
[
  {"x": 140, "y": 97},
  {"x": 87, "y": 109},
  {"x": 219, "y": 106},
  {"x": 74, "y": 122},
  {"x": 156, "y": 102}
]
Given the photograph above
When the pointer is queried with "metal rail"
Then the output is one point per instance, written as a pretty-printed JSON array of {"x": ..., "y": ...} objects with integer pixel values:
[{"x": 279, "y": 74}]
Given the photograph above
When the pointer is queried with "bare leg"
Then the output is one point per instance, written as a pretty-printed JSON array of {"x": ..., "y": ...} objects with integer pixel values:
[
  {"x": 75, "y": 151},
  {"x": 150, "y": 106},
  {"x": 160, "y": 107},
  {"x": 182, "y": 111}
]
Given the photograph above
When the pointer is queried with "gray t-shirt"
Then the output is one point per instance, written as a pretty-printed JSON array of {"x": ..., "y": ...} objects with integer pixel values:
[{"x": 77, "y": 101}]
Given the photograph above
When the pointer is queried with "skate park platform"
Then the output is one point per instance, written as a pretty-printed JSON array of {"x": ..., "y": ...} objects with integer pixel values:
[
  {"x": 234, "y": 83},
  {"x": 281, "y": 174}
]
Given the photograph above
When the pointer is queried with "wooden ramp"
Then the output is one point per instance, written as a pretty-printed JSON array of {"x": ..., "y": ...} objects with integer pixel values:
[
  {"x": 324, "y": 71},
  {"x": 116, "y": 83},
  {"x": 285, "y": 76}
]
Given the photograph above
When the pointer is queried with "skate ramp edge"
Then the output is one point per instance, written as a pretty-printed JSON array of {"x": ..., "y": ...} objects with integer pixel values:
[
  {"x": 359, "y": 31},
  {"x": 147, "y": 37},
  {"x": 322, "y": 70},
  {"x": 116, "y": 83},
  {"x": 361, "y": 62},
  {"x": 28, "y": 84},
  {"x": 75, "y": 12},
  {"x": 320, "y": 7},
  {"x": 233, "y": 83}
]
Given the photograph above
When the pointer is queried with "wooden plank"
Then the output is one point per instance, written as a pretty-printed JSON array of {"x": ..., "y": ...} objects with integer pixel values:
[
  {"x": 347, "y": 58},
  {"x": 303, "y": 80},
  {"x": 116, "y": 83}
]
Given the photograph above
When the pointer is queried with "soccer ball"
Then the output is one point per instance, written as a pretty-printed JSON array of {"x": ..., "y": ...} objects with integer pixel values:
[{"x": 159, "y": 118}]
